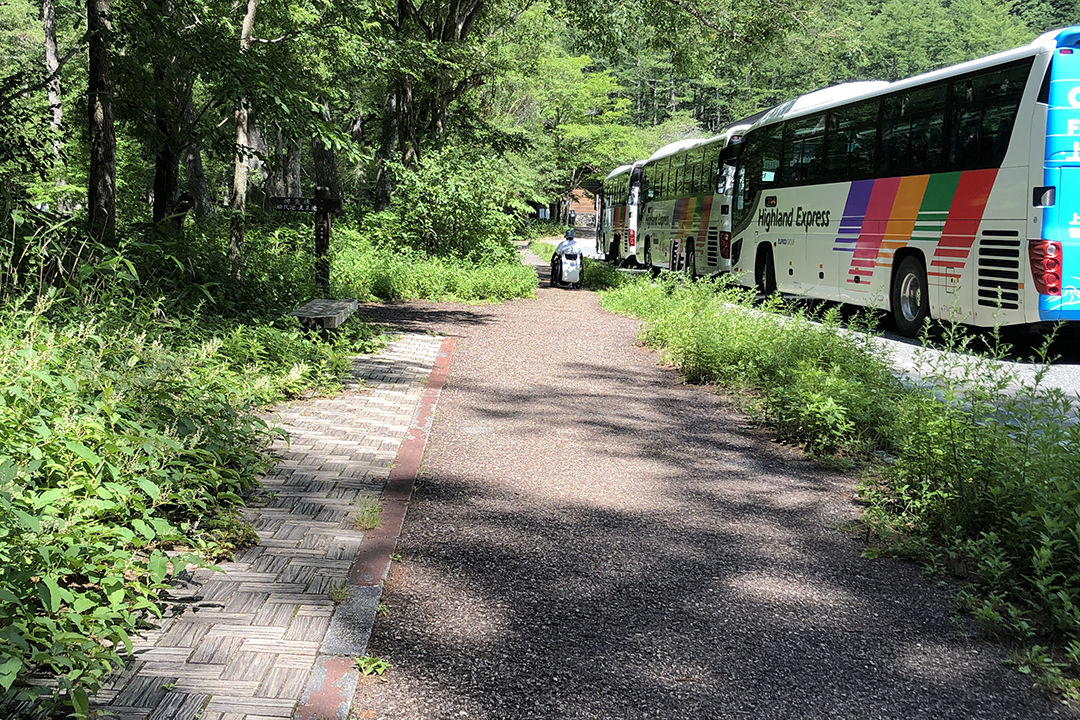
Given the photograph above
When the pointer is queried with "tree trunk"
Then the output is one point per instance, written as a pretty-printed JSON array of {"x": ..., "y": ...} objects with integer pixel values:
[
  {"x": 196, "y": 175},
  {"x": 384, "y": 181},
  {"x": 56, "y": 107},
  {"x": 168, "y": 114},
  {"x": 240, "y": 164},
  {"x": 277, "y": 176},
  {"x": 166, "y": 172},
  {"x": 326, "y": 172},
  {"x": 238, "y": 204},
  {"x": 257, "y": 190},
  {"x": 292, "y": 169},
  {"x": 101, "y": 192}
]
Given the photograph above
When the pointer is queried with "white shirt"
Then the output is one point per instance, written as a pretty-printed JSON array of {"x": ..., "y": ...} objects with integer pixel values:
[{"x": 569, "y": 245}]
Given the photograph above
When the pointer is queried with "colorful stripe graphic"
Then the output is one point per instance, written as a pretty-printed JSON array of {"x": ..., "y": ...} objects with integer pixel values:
[
  {"x": 867, "y": 247},
  {"x": 882, "y": 216},
  {"x": 962, "y": 223},
  {"x": 854, "y": 213}
]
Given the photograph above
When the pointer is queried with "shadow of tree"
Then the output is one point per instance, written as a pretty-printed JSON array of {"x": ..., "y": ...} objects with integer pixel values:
[{"x": 642, "y": 551}]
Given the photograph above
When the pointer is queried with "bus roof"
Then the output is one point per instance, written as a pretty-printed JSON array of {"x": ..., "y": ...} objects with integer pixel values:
[
  {"x": 850, "y": 92},
  {"x": 672, "y": 148},
  {"x": 619, "y": 171}
]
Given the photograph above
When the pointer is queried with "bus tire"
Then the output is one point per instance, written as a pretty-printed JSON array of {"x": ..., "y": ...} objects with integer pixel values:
[
  {"x": 765, "y": 270},
  {"x": 613, "y": 249},
  {"x": 909, "y": 298}
]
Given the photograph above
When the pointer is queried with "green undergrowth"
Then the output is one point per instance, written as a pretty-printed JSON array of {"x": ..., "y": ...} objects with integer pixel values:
[
  {"x": 596, "y": 275},
  {"x": 367, "y": 271},
  {"x": 128, "y": 440},
  {"x": 966, "y": 466}
]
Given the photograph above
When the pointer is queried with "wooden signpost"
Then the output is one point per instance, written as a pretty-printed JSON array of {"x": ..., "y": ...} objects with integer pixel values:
[{"x": 322, "y": 205}]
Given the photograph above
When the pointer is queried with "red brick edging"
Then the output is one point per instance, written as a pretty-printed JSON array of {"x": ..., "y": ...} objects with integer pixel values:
[{"x": 373, "y": 560}]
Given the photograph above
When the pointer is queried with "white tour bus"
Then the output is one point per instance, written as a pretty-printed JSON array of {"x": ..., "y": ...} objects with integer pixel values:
[
  {"x": 620, "y": 198},
  {"x": 951, "y": 194},
  {"x": 685, "y": 222}
]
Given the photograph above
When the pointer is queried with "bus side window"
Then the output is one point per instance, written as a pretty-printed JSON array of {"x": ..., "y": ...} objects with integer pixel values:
[
  {"x": 983, "y": 115},
  {"x": 804, "y": 141}
]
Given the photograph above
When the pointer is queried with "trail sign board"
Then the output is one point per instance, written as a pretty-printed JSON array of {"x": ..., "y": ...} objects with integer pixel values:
[{"x": 294, "y": 204}]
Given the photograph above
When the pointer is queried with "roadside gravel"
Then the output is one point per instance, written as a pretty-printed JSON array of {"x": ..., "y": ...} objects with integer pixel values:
[{"x": 591, "y": 539}]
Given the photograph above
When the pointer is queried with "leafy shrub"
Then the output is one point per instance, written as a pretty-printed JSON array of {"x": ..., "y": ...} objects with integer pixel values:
[
  {"x": 126, "y": 434},
  {"x": 450, "y": 205},
  {"x": 367, "y": 271}
]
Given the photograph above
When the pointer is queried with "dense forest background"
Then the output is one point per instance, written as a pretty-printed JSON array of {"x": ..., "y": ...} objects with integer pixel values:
[{"x": 216, "y": 105}]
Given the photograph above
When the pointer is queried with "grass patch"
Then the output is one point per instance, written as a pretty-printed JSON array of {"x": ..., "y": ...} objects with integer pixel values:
[
  {"x": 541, "y": 249},
  {"x": 982, "y": 479},
  {"x": 339, "y": 591},
  {"x": 361, "y": 270},
  {"x": 370, "y": 665},
  {"x": 596, "y": 274},
  {"x": 128, "y": 432},
  {"x": 368, "y": 514}
]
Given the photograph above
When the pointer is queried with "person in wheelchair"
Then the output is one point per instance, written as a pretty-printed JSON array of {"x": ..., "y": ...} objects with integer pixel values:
[{"x": 571, "y": 250}]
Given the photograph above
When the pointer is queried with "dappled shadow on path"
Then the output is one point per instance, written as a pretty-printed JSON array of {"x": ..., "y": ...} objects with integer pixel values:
[{"x": 590, "y": 539}]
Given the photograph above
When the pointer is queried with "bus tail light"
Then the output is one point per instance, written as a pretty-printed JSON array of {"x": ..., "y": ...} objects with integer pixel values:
[
  {"x": 725, "y": 245},
  {"x": 1045, "y": 258},
  {"x": 632, "y": 236}
]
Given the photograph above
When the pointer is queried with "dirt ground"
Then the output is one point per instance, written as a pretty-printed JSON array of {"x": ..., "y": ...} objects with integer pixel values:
[{"x": 589, "y": 538}]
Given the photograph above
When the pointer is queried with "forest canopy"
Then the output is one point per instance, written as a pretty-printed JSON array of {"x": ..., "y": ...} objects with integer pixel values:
[{"x": 215, "y": 106}]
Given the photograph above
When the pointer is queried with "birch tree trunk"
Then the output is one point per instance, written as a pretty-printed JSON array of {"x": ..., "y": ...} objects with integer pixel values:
[
  {"x": 52, "y": 63},
  {"x": 240, "y": 165},
  {"x": 196, "y": 175},
  {"x": 326, "y": 172}
]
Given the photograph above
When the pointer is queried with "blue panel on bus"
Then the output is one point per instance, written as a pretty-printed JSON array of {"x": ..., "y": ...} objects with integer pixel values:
[{"x": 1061, "y": 222}]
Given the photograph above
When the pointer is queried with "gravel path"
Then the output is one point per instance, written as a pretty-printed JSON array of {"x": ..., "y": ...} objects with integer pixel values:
[{"x": 591, "y": 539}]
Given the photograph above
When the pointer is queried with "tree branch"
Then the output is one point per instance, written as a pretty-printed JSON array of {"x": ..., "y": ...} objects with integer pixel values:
[
  {"x": 697, "y": 15},
  {"x": 42, "y": 83}
]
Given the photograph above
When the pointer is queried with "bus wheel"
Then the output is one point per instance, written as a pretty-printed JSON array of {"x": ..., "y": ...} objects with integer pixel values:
[
  {"x": 689, "y": 259},
  {"x": 613, "y": 249},
  {"x": 909, "y": 297},
  {"x": 653, "y": 270},
  {"x": 764, "y": 271}
]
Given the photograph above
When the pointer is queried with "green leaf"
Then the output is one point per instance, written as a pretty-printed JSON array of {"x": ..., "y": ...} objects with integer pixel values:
[
  {"x": 81, "y": 702},
  {"x": 143, "y": 529},
  {"x": 48, "y": 497},
  {"x": 124, "y": 638},
  {"x": 49, "y": 592},
  {"x": 9, "y": 671},
  {"x": 149, "y": 488},
  {"x": 84, "y": 452},
  {"x": 27, "y": 520},
  {"x": 82, "y": 603},
  {"x": 158, "y": 566}
]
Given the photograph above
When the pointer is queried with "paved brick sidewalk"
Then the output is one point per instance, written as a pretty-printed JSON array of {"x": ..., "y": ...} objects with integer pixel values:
[{"x": 262, "y": 638}]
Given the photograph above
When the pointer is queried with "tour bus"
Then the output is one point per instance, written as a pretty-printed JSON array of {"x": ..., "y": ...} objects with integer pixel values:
[
  {"x": 685, "y": 220},
  {"x": 954, "y": 194},
  {"x": 620, "y": 197}
]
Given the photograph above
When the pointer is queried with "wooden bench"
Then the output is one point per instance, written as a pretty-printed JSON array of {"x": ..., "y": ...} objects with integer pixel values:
[{"x": 325, "y": 314}]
